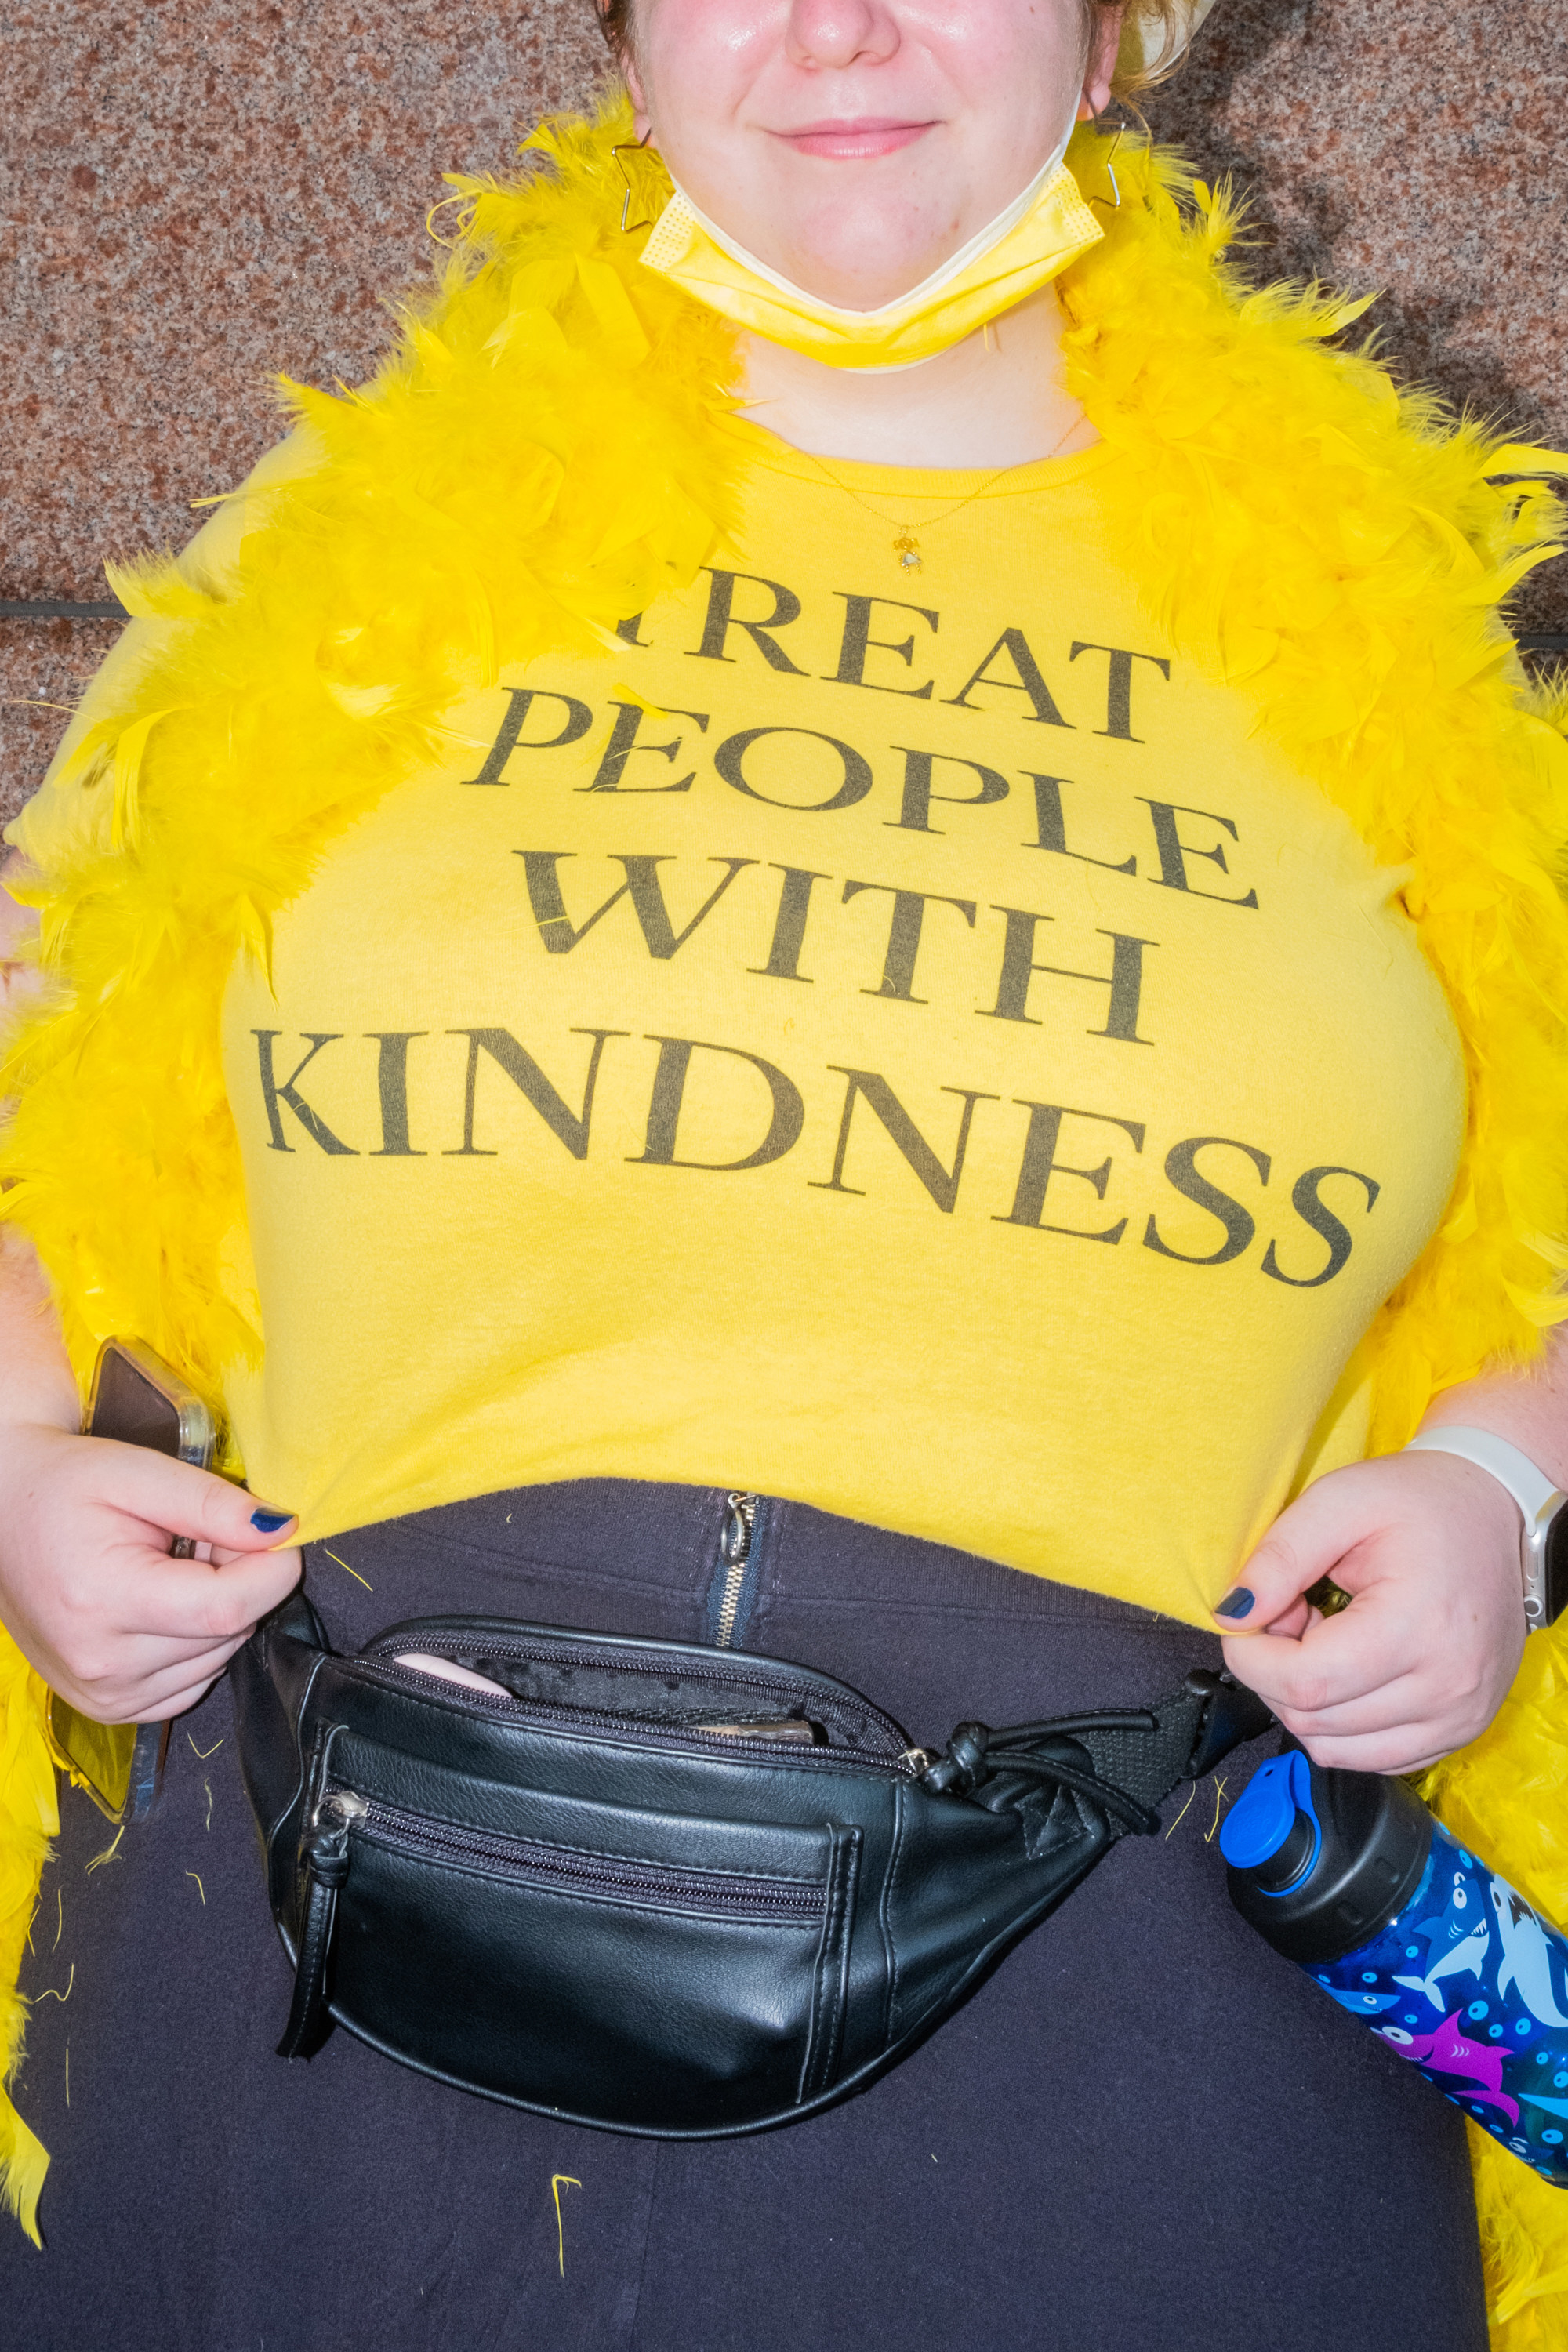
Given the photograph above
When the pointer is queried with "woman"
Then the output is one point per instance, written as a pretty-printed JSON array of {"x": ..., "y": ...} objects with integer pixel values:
[{"x": 610, "y": 911}]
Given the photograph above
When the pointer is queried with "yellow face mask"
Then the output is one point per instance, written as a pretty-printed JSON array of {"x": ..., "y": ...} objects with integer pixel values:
[{"x": 1039, "y": 236}]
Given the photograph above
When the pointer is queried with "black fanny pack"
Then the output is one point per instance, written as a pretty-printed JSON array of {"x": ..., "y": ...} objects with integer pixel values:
[{"x": 657, "y": 1888}]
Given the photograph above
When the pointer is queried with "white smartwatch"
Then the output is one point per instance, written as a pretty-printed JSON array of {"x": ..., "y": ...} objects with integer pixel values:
[{"x": 1543, "y": 1544}]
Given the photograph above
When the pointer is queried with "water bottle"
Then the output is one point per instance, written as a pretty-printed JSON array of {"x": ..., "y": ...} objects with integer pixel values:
[{"x": 1348, "y": 1874}]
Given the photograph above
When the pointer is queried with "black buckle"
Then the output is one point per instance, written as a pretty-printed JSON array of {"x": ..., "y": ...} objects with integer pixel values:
[{"x": 1232, "y": 1714}]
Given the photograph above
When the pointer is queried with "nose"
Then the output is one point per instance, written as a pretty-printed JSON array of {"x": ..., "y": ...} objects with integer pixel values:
[{"x": 840, "y": 32}]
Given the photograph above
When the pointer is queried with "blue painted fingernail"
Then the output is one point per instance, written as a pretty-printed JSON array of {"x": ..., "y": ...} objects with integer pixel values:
[
  {"x": 1237, "y": 1603},
  {"x": 269, "y": 1522}
]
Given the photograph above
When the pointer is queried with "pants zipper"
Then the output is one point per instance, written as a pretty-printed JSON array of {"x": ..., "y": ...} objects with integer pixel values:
[{"x": 734, "y": 1554}]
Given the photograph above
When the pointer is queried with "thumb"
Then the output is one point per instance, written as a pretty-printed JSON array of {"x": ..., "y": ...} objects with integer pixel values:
[
  {"x": 1304, "y": 1544},
  {"x": 185, "y": 1501}
]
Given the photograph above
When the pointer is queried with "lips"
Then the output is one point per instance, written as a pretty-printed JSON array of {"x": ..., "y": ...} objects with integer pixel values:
[{"x": 859, "y": 139}]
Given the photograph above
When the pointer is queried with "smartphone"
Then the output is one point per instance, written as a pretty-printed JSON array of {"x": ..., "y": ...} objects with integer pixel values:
[{"x": 141, "y": 1400}]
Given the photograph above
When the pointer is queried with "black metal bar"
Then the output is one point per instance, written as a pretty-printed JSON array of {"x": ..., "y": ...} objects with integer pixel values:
[{"x": 56, "y": 608}]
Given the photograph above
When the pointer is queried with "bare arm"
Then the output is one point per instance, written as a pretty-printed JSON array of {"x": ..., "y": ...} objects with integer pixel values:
[
  {"x": 1529, "y": 1409},
  {"x": 36, "y": 1384}
]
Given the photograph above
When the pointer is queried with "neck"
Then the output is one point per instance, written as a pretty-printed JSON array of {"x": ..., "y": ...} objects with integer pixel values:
[{"x": 994, "y": 400}]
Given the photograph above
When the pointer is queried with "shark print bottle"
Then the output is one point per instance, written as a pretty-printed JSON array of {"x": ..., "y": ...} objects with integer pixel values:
[{"x": 1348, "y": 1875}]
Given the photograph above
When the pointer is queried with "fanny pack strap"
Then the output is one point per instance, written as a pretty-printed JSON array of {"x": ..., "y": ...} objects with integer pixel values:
[{"x": 1137, "y": 1756}]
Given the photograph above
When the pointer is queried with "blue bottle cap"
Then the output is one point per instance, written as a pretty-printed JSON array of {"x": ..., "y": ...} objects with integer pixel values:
[
  {"x": 1321, "y": 1861},
  {"x": 1264, "y": 1815}
]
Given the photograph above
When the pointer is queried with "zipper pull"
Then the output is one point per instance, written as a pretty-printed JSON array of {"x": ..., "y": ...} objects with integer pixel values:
[
  {"x": 340, "y": 1807},
  {"x": 324, "y": 1857},
  {"x": 740, "y": 1518},
  {"x": 324, "y": 1848},
  {"x": 734, "y": 1550}
]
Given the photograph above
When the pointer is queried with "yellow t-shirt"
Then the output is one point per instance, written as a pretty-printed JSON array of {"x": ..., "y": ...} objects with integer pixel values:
[{"x": 888, "y": 1035}]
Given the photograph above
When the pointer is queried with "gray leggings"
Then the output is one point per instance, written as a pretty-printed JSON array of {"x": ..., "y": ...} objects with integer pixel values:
[{"x": 1145, "y": 2134}]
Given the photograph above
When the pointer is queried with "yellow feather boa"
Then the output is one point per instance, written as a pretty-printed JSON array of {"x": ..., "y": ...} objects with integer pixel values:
[{"x": 534, "y": 462}]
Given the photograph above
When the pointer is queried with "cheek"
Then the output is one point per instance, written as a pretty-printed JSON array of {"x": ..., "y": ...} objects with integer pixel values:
[
  {"x": 1020, "y": 29},
  {"x": 1015, "y": 63},
  {"x": 694, "y": 51}
]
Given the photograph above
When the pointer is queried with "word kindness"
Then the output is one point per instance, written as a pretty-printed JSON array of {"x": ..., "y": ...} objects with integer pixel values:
[{"x": 294, "y": 1119}]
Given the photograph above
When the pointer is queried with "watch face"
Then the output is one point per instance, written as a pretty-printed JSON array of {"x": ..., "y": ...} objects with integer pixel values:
[{"x": 1554, "y": 1566}]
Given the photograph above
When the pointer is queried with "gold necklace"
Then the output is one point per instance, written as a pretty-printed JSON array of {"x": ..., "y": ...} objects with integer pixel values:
[{"x": 906, "y": 546}]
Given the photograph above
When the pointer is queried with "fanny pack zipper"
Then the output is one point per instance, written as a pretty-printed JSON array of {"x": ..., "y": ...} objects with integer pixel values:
[
  {"x": 326, "y": 1852},
  {"x": 909, "y": 1763},
  {"x": 715, "y": 1891},
  {"x": 552, "y": 1713}
]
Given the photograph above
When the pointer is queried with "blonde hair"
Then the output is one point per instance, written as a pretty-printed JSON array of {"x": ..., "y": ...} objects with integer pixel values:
[
  {"x": 1153, "y": 43},
  {"x": 1154, "y": 37}
]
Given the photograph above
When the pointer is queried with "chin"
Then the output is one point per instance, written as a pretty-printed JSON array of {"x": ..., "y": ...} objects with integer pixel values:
[{"x": 855, "y": 258}]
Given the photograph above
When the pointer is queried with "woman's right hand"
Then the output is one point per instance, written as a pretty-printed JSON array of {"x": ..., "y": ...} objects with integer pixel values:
[
  {"x": 88, "y": 1589},
  {"x": 87, "y": 1586}
]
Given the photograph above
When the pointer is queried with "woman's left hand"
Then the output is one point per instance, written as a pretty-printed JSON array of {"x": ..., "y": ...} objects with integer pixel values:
[{"x": 1428, "y": 1549}]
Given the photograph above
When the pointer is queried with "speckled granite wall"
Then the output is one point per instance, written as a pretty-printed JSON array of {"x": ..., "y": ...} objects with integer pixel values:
[
  {"x": 1417, "y": 147},
  {"x": 201, "y": 191}
]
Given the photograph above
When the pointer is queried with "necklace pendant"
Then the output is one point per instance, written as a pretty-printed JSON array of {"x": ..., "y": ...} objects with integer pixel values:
[{"x": 907, "y": 548}]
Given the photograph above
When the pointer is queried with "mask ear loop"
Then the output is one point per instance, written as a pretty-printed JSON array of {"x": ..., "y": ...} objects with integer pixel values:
[{"x": 631, "y": 147}]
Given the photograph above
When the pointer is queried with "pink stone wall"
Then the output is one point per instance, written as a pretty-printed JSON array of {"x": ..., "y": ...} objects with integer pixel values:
[
  {"x": 200, "y": 192},
  {"x": 1416, "y": 147}
]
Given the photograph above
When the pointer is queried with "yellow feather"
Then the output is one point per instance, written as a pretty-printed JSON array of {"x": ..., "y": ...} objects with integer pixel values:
[{"x": 28, "y": 1819}]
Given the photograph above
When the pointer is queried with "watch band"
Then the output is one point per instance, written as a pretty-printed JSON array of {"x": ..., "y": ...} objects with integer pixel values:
[{"x": 1539, "y": 1501}]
